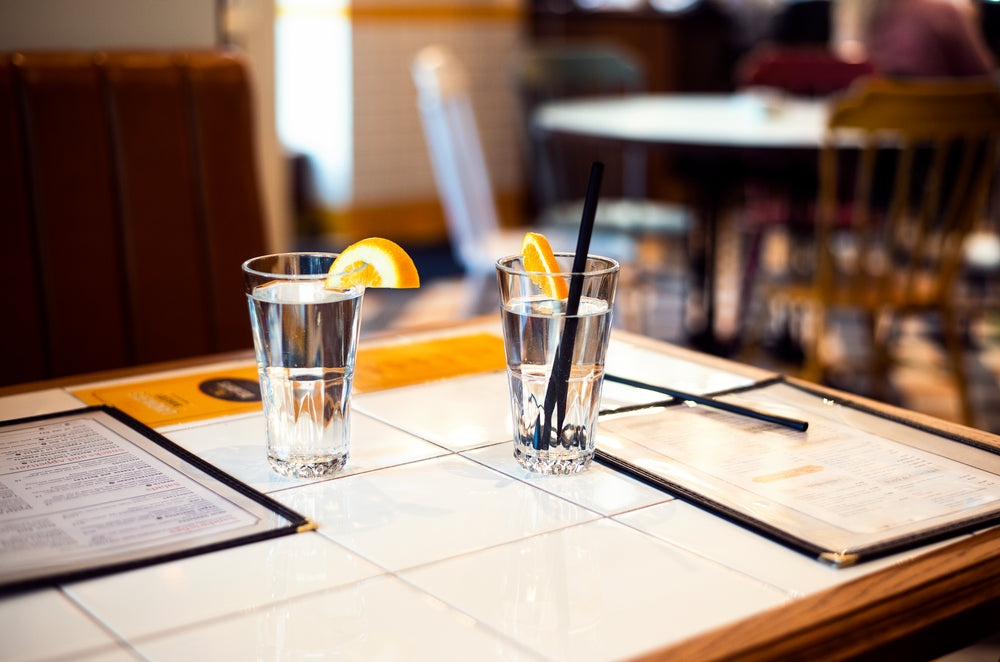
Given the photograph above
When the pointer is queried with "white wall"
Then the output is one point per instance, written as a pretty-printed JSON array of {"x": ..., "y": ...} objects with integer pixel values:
[
  {"x": 50, "y": 24},
  {"x": 391, "y": 162},
  {"x": 95, "y": 24},
  {"x": 249, "y": 25}
]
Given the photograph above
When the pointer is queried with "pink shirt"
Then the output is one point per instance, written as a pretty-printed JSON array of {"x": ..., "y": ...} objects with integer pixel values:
[{"x": 927, "y": 38}]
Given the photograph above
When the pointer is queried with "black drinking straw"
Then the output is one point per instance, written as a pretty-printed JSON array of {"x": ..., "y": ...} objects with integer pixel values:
[
  {"x": 555, "y": 392},
  {"x": 792, "y": 423}
]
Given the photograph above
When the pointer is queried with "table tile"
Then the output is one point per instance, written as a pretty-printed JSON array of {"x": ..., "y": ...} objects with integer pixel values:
[
  {"x": 29, "y": 620},
  {"x": 430, "y": 510},
  {"x": 443, "y": 412},
  {"x": 645, "y": 365},
  {"x": 737, "y": 547},
  {"x": 187, "y": 591},
  {"x": 381, "y": 619},
  {"x": 598, "y": 488},
  {"x": 237, "y": 446},
  {"x": 597, "y": 591},
  {"x": 36, "y": 403},
  {"x": 486, "y": 418}
]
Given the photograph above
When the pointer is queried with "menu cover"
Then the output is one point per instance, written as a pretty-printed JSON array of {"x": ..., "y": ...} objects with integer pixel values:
[
  {"x": 855, "y": 485},
  {"x": 93, "y": 491}
]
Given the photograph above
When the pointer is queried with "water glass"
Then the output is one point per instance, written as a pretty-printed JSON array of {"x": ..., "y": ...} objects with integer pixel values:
[
  {"x": 555, "y": 418},
  {"x": 305, "y": 339}
]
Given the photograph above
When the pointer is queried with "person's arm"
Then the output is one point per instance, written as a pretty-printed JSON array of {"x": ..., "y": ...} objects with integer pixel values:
[{"x": 967, "y": 52}]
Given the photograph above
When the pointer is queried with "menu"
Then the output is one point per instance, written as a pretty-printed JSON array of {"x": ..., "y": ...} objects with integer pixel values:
[
  {"x": 92, "y": 491},
  {"x": 855, "y": 485}
]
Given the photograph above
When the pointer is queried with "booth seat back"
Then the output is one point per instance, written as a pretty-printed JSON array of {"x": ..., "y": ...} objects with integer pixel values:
[{"x": 128, "y": 199}]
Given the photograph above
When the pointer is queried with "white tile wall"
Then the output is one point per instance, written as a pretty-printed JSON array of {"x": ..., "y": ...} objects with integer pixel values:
[{"x": 390, "y": 155}]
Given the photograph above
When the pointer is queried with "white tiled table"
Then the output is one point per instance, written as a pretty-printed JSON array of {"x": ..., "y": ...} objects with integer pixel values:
[{"x": 434, "y": 544}]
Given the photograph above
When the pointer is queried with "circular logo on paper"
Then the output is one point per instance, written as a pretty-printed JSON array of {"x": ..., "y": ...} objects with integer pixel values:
[{"x": 232, "y": 389}]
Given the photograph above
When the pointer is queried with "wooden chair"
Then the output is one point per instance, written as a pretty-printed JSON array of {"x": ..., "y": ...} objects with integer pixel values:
[
  {"x": 904, "y": 173},
  {"x": 780, "y": 197},
  {"x": 129, "y": 198}
]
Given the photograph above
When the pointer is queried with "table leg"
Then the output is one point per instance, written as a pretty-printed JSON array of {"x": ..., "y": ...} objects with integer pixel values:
[{"x": 713, "y": 186}]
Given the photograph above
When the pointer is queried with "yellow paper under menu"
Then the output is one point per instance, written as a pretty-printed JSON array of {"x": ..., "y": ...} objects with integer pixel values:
[
  {"x": 183, "y": 398},
  {"x": 390, "y": 366},
  {"x": 203, "y": 395}
]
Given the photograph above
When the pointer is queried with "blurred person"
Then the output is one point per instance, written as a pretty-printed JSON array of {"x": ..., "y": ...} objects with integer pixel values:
[{"x": 926, "y": 38}]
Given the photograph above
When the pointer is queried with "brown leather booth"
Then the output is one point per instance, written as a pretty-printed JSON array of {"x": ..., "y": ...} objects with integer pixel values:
[{"x": 128, "y": 199}]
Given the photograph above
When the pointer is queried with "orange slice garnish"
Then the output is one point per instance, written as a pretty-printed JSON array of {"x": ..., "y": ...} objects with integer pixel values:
[
  {"x": 539, "y": 260},
  {"x": 386, "y": 264}
]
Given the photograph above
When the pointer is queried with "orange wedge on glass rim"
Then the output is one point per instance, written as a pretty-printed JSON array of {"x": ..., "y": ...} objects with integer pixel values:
[
  {"x": 386, "y": 264},
  {"x": 538, "y": 261}
]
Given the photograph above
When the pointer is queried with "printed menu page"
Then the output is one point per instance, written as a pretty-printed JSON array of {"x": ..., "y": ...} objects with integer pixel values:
[
  {"x": 853, "y": 484},
  {"x": 89, "y": 490}
]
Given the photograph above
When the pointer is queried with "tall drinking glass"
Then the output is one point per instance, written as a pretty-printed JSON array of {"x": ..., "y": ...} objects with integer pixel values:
[
  {"x": 305, "y": 338},
  {"x": 554, "y": 431}
]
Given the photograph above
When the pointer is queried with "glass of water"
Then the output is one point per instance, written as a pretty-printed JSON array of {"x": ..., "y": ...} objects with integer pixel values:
[
  {"x": 305, "y": 338},
  {"x": 555, "y": 418}
]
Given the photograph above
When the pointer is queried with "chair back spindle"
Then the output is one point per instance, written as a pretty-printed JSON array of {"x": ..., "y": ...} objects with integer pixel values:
[
  {"x": 905, "y": 171},
  {"x": 918, "y": 159}
]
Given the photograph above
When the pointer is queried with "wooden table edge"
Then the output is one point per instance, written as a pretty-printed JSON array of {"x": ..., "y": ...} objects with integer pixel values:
[{"x": 887, "y": 610}]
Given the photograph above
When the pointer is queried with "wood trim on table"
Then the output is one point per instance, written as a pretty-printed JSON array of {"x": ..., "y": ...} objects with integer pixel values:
[{"x": 507, "y": 13}]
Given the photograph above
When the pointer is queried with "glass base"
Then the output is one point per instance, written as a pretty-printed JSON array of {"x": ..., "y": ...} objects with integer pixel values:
[
  {"x": 302, "y": 467},
  {"x": 542, "y": 462}
]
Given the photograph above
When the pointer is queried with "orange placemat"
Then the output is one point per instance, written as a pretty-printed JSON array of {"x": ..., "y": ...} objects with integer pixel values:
[
  {"x": 203, "y": 395},
  {"x": 180, "y": 399},
  {"x": 414, "y": 363}
]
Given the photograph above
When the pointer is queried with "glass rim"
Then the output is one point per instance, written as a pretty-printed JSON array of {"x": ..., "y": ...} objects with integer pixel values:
[
  {"x": 612, "y": 266},
  {"x": 286, "y": 276}
]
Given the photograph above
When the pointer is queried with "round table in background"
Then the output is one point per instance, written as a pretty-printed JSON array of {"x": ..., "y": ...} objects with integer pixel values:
[{"x": 725, "y": 135}]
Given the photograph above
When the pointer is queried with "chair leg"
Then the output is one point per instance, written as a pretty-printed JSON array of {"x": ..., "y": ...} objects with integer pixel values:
[
  {"x": 812, "y": 340},
  {"x": 750, "y": 268},
  {"x": 632, "y": 306},
  {"x": 882, "y": 328},
  {"x": 956, "y": 352}
]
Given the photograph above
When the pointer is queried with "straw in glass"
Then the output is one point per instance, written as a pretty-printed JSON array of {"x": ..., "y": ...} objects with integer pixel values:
[{"x": 555, "y": 392}]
